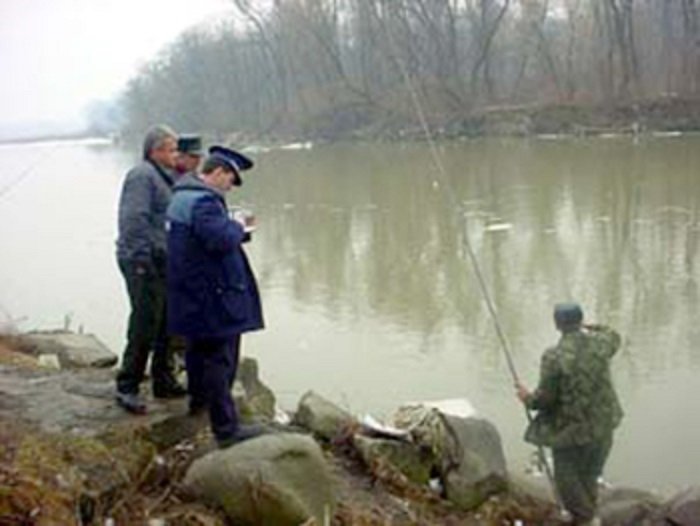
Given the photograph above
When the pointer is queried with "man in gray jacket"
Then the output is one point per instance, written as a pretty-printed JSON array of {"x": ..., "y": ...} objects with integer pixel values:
[{"x": 141, "y": 254}]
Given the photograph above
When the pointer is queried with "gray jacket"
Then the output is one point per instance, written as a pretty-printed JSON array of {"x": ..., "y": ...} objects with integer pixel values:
[{"x": 144, "y": 200}]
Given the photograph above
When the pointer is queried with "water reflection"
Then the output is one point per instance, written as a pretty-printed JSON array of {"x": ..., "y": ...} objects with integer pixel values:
[
  {"x": 366, "y": 234},
  {"x": 365, "y": 230}
]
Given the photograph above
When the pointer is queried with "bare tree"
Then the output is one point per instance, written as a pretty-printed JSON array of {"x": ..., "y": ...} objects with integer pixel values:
[
  {"x": 328, "y": 67},
  {"x": 487, "y": 25},
  {"x": 623, "y": 27}
]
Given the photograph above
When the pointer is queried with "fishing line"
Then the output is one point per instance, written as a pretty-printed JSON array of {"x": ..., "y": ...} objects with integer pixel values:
[
  {"x": 466, "y": 242},
  {"x": 26, "y": 172}
]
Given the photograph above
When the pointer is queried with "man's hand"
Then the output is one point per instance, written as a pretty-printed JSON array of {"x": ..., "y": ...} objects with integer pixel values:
[
  {"x": 245, "y": 218},
  {"x": 522, "y": 392}
]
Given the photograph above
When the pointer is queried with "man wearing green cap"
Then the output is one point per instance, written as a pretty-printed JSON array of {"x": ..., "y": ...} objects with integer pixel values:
[{"x": 577, "y": 408}]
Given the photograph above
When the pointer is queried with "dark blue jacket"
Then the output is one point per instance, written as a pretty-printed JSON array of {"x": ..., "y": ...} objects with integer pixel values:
[{"x": 212, "y": 291}]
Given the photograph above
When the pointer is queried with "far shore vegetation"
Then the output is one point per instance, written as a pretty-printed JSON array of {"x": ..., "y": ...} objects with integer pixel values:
[{"x": 348, "y": 69}]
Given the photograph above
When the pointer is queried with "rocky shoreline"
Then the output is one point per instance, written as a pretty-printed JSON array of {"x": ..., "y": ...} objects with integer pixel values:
[{"x": 70, "y": 456}]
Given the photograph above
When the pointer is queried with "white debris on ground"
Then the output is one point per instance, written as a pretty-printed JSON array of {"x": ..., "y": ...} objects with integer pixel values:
[
  {"x": 374, "y": 426},
  {"x": 458, "y": 407},
  {"x": 498, "y": 227}
]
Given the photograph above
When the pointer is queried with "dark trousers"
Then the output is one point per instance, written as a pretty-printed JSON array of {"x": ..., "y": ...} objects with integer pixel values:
[
  {"x": 147, "y": 330},
  {"x": 576, "y": 473},
  {"x": 211, "y": 369}
]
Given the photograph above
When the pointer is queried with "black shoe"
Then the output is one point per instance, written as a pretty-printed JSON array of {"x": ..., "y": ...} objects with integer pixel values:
[
  {"x": 170, "y": 389},
  {"x": 131, "y": 402},
  {"x": 243, "y": 433}
]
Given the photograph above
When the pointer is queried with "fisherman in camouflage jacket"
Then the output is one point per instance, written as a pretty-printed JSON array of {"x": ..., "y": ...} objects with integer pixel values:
[{"x": 577, "y": 408}]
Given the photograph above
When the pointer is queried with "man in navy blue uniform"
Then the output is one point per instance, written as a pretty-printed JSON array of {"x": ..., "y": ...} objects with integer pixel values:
[{"x": 212, "y": 293}]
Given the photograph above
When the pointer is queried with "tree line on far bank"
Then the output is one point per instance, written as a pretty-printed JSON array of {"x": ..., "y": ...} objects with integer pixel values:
[{"x": 342, "y": 68}]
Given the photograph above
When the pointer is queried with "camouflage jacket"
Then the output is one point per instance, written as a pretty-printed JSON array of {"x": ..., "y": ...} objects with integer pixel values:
[{"x": 575, "y": 401}]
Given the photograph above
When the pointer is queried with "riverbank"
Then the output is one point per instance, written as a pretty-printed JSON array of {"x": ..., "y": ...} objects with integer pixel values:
[
  {"x": 651, "y": 116},
  {"x": 669, "y": 115},
  {"x": 658, "y": 116},
  {"x": 70, "y": 456}
]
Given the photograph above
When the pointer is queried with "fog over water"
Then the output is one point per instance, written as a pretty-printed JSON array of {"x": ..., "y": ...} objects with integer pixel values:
[
  {"x": 369, "y": 297},
  {"x": 59, "y": 57}
]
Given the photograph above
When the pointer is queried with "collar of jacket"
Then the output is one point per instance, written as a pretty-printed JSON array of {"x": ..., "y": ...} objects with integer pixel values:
[
  {"x": 162, "y": 172},
  {"x": 192, "y": 182}
]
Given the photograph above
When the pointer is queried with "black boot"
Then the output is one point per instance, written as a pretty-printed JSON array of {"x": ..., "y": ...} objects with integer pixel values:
[
  {"x": 244, "y": 432},
  {"x": 167, "y": 387}
]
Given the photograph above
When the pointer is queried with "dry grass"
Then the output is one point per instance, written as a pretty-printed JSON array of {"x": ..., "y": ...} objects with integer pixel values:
[{"x": 10, "y": 355}]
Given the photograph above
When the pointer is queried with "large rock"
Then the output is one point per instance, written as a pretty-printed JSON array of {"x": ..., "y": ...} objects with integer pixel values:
[
  {"x": 684, "y": 508},
  {"x": 320, "y": 416},
  {"x": 481, "y": 470},
  {"x": 536, "y": 487},
  {"x": 628, "y": 507},
  {"x": 73, "y": 350},
  {"x": 467, "y": 450},
  {"x": 80, "y": 402},
  {"x": 254, "y": 399},
  {"x": 277, "y": 479},
  {"x": 414, "y": 462}
]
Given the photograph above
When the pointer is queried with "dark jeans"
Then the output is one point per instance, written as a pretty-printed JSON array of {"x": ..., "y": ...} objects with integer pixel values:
[
  {"x": 147, "y": 329},
  {"x": 576, "y": 472},
  {"x": 211, "y": 369}
]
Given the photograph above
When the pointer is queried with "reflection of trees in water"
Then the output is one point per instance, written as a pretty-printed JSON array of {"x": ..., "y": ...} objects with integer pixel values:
[
  {"x": 635, "y": 256},
  {"x": 363, "y": 231}
]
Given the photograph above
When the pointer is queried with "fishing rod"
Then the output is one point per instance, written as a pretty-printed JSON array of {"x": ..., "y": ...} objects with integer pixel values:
[{"x": 466, "y": 242}]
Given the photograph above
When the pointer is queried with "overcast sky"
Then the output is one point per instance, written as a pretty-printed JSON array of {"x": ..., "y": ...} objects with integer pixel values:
[{"x": 58, "y": 55}]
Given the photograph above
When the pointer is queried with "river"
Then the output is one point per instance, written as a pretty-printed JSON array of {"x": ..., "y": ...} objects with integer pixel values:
[{"x": 370, "y": 298}]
